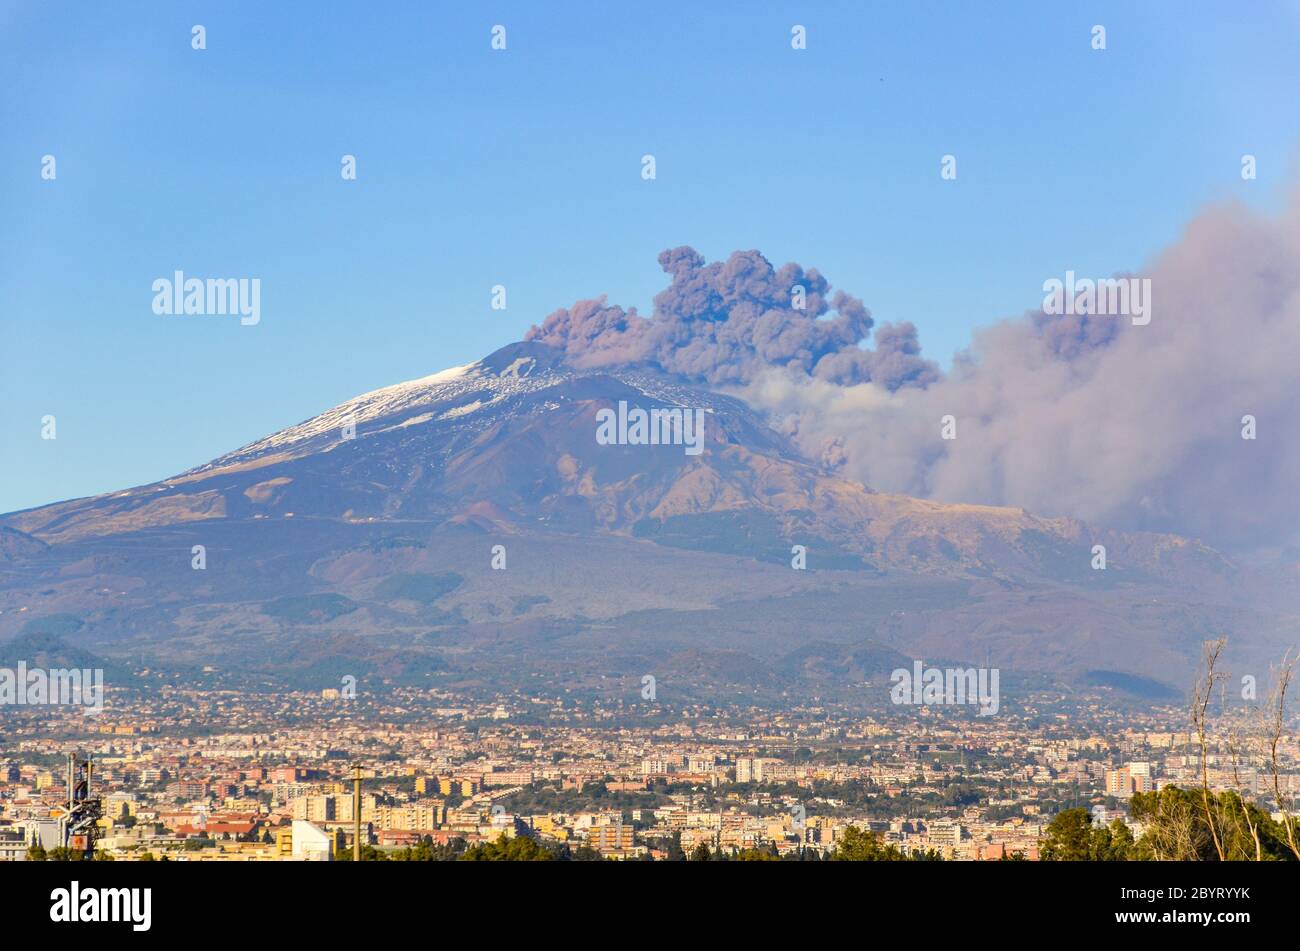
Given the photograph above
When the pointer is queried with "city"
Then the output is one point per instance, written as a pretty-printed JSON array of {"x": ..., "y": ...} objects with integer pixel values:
[{"x": 225, "y": 775}]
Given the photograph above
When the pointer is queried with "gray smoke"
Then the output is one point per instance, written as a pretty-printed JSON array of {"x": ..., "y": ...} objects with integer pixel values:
[
  {"x": 727, "y": 322},
  {"x": 1134, "y": 427}
]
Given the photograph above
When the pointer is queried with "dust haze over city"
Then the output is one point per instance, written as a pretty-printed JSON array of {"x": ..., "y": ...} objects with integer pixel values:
[{"x": 421, "y": 444}]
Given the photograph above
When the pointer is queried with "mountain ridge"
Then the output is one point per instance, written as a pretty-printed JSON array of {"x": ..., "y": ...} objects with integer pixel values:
[
  {"x": 424, "y": 478},
  {"x": 756, "y": 467}
]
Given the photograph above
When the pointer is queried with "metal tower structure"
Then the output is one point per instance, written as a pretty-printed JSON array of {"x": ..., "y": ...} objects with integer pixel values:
[{"x": 81, "y": 826}]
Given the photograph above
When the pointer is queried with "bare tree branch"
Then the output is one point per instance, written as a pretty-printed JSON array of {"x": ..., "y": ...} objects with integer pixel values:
[
  {"x": 1201, "y": 695},
  {"x": 1277, "y": 725}
]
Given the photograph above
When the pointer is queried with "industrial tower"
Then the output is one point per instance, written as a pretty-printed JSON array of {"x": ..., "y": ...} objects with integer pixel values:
[{"x": 84, "y": 811}]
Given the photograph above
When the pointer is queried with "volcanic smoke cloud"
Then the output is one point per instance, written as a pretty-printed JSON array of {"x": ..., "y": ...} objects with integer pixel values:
[
  {"x": 727, "y": 322},
  {"x": 1134, "y": 427}
]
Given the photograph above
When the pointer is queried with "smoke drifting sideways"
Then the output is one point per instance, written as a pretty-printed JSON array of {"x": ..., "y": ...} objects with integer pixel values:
[{"x": 1132, "y": 427}]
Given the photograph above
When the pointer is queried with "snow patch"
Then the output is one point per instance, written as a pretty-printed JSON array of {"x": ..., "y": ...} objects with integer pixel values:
[{"x": 462, "y": 410}]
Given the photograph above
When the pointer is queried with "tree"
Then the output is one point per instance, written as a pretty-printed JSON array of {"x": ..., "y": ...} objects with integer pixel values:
[
  {"x": 1071, "y": 837},
  {"x": 1176, "y": 828},
  {"x": 1232, "y": 827},
  {"x": 675, "y": 853},
  {"x": 1113, "y": 843},
  {"x": 862, "y": 845},
  {"x": 1201, "y": 694},
  {"x": 518, "y": 849},
  {"x": 1276, "y": 727},
  {"x": 368, "y": 854},
  {"x": 1068, "y": 837}
]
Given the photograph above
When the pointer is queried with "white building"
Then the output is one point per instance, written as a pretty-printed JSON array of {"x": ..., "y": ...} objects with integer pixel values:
[{"x": 311, "y": 843}]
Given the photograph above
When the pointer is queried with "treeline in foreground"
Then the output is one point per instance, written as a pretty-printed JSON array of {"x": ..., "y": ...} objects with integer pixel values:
[
  {"x": 1178, "y": 825},
  {"x": 856, "y": 845}
]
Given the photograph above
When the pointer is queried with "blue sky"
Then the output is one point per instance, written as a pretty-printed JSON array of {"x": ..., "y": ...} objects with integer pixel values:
[{"x": 522, "y": 168}]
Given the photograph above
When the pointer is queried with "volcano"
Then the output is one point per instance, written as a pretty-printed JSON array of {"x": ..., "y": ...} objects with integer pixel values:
[{"x": 469, "y": 528}]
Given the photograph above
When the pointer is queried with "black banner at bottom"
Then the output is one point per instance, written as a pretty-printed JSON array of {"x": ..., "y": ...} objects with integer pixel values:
[{"x": 143, "y": 901}]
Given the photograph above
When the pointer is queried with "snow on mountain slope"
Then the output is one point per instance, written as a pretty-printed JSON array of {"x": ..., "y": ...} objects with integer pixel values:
[
  {"x": 456, "y": 393},
  {"x": 382, "y": 404},
  {"x": 513, "y": 434}
]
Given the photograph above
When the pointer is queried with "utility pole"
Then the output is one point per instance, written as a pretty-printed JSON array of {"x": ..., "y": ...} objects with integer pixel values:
[{"x": 356, "y": 812}]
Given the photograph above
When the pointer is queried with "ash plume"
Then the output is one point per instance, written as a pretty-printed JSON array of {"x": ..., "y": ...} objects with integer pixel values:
[
  {"x": 725, "y": 323},
  {"x": 1133, "y": 427}
]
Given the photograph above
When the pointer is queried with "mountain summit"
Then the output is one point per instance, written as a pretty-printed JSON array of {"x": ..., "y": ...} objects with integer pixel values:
[{"x": 448, "y": 517}]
